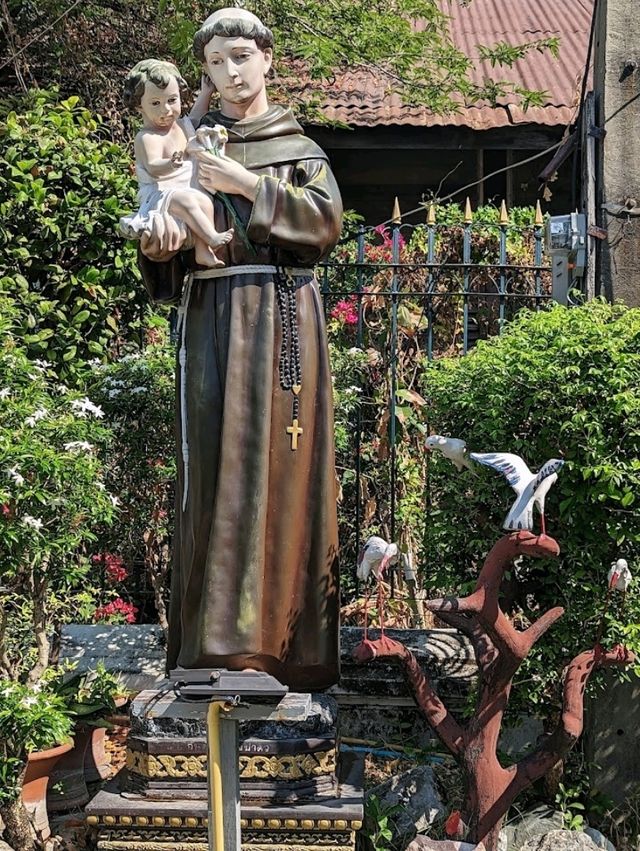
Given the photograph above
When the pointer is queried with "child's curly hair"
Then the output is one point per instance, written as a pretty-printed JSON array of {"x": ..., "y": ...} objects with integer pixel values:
[{"x": 156, "y": 71}]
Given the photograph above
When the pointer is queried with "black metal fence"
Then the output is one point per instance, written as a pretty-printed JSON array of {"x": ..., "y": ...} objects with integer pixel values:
[{"x": 402, "y": 295}]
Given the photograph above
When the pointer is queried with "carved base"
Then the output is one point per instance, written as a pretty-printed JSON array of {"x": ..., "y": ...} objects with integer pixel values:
[
  {"x": 294, "y": 793},
  {"x": 252, "y": 840}
]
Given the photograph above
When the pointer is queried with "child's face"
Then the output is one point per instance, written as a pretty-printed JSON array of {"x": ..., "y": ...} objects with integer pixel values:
[{"x": 160, "y": 107}]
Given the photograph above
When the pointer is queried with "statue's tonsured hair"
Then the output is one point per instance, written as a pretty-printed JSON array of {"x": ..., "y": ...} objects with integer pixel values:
[
  {"x": 156, "y": 71},
  {"x": 232, "y": 28}
]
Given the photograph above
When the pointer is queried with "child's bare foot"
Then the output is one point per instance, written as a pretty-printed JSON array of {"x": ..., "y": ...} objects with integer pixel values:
[
  {"x": 222, "y": 238},
  {"x": 205, "y": 256}
]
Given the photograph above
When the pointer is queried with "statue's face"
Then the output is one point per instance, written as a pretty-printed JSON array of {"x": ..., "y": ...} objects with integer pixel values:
[
  {"x": 237, "y": 68},
  {"x": 160, "y": 107}
]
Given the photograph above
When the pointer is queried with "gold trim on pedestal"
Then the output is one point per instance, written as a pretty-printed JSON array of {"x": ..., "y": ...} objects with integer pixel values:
[{"x": 261, "y": 767}]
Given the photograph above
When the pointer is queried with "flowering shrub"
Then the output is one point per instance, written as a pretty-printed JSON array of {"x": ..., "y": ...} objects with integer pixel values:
[
  {"x": 138, "y": 396},
  {"x": 30, "y": 720},
  {"x": 346, "y": 311},
  {"x": 53, "y": 497},
  {"x": 113, "y": 565},
  {"x": 117, "y": 611}
]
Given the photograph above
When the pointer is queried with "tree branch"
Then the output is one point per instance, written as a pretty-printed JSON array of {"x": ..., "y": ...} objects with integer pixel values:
[
  {"x": 539, "y": 627},
  {"x": 571, "y": 722},
  {"x": 43, "y": 646},
  {"x": 512, "y": 644},
  {"x": 434, "y": 710}
]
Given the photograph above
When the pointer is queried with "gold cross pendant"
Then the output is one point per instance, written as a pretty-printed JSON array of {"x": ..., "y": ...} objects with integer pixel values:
[{"x": 295, "y": 431}]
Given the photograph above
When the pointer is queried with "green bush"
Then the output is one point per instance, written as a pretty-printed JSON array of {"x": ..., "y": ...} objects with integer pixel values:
[
  {"x": 62, "y": 191},
  {"x": 137, "y": 394},
  {"x": 559, "y": 383},
  {"x": 52, "y": 499},
  {"x": 30, "y": 720}
]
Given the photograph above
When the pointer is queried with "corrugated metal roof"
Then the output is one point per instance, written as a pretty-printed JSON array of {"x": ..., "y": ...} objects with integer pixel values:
[{"x": 364, "y": 98}]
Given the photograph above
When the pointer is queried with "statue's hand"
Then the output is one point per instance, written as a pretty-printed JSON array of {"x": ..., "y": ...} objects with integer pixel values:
[
  {"x": 222, "y": 174},
  {"x": 164, "y": 241}
]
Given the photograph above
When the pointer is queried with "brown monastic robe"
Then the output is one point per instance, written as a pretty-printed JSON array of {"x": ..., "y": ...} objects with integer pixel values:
[{"x": 255, "y": 570}]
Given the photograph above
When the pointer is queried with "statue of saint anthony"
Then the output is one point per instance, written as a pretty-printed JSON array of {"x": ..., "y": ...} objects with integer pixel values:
[{"x": 255, "y": 574}]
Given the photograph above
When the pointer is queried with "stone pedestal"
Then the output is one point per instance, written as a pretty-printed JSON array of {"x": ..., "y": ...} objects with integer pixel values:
[{"x": 294, "y": 791}]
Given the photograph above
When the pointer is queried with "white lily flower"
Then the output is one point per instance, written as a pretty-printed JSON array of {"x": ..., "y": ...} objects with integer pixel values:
[
  {"x": 77, "y": 445},
  {"x": 40, "y": 414},
  {"x": 15, "y": 475},
  {"x": 85, "y": 406},
  {"x": 34, "y": 522},
  {"x": 5, "y": 393}
]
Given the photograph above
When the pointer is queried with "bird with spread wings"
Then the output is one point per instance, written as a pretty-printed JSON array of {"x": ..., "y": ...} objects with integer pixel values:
[{"x": 531, "y": 488}]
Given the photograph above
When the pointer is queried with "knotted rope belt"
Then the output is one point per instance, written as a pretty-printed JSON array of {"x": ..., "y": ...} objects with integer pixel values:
[{"x": 289, "y": 363}]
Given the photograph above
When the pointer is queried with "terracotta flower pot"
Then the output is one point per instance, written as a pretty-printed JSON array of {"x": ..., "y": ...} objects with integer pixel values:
[
  {"x": 67, "y": 787},
  {"x": 96, "y": 763},
  {"x": 34, "y": 785}
]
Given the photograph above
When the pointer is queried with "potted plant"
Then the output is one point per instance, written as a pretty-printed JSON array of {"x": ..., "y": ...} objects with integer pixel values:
[
  {"x": 52, "y": 497},
  {"x": 90, "y": 697},
  {"x": 35, "y": 731}
]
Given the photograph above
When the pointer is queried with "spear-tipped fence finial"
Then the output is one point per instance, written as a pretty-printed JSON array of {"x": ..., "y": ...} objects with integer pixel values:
[
  {"x": 396, "y": 215},
  {"x": 468, "y": 212}
]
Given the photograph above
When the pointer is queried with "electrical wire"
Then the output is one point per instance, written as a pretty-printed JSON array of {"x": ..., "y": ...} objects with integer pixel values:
[
  {"x": 38, "y": 35},
  {"x": 451, "y": 195}
]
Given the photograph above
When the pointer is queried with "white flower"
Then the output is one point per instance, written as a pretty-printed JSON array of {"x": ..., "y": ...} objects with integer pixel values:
[
  {"x": 34, "y": 522},
  {"x": 112, "y": 394},
  {"x": 41, "y": 364},
  {"x": 5, "y": 393},
  {"x": 114, "y": 500},
  {"x": 28, "y": 701},
  {"x": 100, "y": 486},
  {"x": 85, "y": 406},
  {"x": 15, "y": 475},
  {"x": 95, "y": 363},
  {"x": 353, "y": 390},
  {"x": 75, "y": 445},
  {"x": 40, "y": 414},
  {"x": 62, "y": 389},
  {"x": 138, "y": 389},
  {"x": 354, "y": 350}
]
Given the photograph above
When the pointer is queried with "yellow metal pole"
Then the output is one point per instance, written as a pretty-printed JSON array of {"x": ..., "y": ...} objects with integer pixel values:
[{"x": 215, "y": 774}]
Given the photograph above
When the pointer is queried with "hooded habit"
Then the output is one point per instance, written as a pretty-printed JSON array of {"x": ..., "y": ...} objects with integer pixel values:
[{"x": 255, "y": 569}]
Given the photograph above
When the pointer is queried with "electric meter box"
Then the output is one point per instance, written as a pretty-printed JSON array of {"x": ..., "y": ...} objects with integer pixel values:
[{"x": 566, "y": 242}]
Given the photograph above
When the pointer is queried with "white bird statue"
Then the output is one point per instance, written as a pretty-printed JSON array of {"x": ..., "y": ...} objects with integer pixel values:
[
  {"x": 618, "y": 579},
  {"x": 375, "y": 556},
  {"x": 619, "y": 576},
  {"x": 454, "y": 449},
  {"x": 531, "y": 488},
  {"x": 373, "y": 560}
]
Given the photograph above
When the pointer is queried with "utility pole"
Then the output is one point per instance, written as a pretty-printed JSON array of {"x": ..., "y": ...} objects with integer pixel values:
[{"x": 617, "y": 111}]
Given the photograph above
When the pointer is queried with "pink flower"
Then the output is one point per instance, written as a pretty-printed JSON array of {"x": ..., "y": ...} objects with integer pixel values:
[
  {"x": 113, "y": 565},
  {"x": 346, "y": 311},
  {"x": 116, "y": 611},
  {"x": 387, "y": 240},
  {"x": 6, "y": 509}
]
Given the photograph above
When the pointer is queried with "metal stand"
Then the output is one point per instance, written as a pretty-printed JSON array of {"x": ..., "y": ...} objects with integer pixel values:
[{"x": 232, "y": 696}]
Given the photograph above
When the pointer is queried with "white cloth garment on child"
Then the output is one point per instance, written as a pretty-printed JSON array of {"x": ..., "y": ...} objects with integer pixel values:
[{"x": 154, "y": 193}]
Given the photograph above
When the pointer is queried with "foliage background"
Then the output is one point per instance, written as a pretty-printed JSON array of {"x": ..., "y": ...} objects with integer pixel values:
[
  {"x": 63, "y": 187},
  {"x": 560, "y": 383}
]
